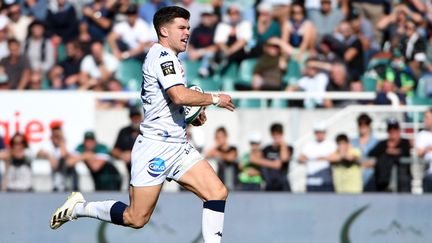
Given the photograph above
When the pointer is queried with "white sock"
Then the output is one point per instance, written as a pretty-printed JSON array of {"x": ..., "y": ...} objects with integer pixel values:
[
  {"x": 212, "y": 221},
  {"x": 98, "y": 210}
]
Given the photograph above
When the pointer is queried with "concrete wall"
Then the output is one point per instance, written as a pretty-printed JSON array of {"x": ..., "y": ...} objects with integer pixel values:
[{"x": 250, "y": 218}]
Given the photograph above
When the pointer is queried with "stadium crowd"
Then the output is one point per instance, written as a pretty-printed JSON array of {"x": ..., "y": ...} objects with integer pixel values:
[{"x": 383, "y": 46}]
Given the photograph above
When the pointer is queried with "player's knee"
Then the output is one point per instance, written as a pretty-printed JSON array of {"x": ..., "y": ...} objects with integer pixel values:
[
  {"x": 138, "y": 220},
  {"x": 219, "y": 193}
]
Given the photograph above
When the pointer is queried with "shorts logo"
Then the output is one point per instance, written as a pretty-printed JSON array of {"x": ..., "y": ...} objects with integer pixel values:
[
  {"x": 156, "y": 167},
  {"x": 168, "y": 68}
]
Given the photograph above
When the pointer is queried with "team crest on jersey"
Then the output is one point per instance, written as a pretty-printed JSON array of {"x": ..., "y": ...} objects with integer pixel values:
[
  {"x": 168, "y": 68},
  {"x": 156, "y": 167}
]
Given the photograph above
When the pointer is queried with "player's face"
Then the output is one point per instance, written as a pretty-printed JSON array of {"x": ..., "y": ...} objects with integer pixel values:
[{"x": 178, "y": 34}]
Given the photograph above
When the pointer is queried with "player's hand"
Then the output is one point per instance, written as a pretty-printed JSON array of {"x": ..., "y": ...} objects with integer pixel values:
[
  {"x": 201, "y": 119},
  {"x": 225, "y": 101}
]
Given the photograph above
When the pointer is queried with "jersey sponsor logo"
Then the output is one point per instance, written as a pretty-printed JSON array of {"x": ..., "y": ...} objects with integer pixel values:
[
  {"x": 163, "y": 53},
  {"x": 168, "y": 68},
  {"x": 156, "y": 167}
]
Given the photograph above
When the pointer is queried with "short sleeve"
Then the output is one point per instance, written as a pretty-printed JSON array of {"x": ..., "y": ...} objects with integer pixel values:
[{"x": 169, "y": 71}]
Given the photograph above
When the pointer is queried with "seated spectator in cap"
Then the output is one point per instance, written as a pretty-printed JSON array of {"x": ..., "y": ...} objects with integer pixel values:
[
  {"x": 423, "y": 146},
  {"x": 96, "y": 22},
  {"x": 264, "y": 28},
  {"x": 37, "y": 9},
  {"x": 65, "y": 74},
  {"x": 270, "y": 67},
  {"x": 232, "y": 36},
  {"x": 364, "y": 142},
  {"x": 18, "y": 175},
  {"x": 250, "y": 176},
  {"x": 97, "y": 67},
  {"x": 389, "y": 153},
  {"x": 327, "y": 18},
  {"x": 38, "y": 48},
  {"x": 201, "y": 45},
  {"x": 56, "y": 152},
  {"x": 16, "y": 65},
  {"x": 277, "y": 155},
  {"x": 313, "y": 80},
  {"x": 347, "y": 177},
  {"x": 126, "y": 137},
  {"x": 96, "y": 157},
  {"x": 18, "y": 23},
  {"x": 314, "y": 155},
  {"x": 299, "y": 33},
  {"x": 62, "y": 22},
  {"x": 131, "y": 38}
]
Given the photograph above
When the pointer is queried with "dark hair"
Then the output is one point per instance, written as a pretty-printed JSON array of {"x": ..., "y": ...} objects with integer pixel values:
[
  {"x": 166, "y": 15},
  {"x": 222, "y": 130},
  {"x": 364, "y": 118},
  {"x": 44, "y": 39},
  {"x": 342, "y": 138},
  {"x": 12, "y": 41},
  {"x": 24, "y": 141},
  {"x": 276, "y": 127}
]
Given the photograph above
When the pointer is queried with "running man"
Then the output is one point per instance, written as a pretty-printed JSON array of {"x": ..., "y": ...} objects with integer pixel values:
[{"x": 161, "y": 151}]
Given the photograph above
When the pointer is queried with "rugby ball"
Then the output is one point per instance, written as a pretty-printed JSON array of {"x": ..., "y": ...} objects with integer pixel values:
[{"x": 192, "y": 112}]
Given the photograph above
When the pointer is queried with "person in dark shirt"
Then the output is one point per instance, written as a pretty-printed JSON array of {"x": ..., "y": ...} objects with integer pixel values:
[
  {"x": 97, "y": 21},
  {"x": 278, "y": 151},
  {"x": 62, "y": 21},
  {"x": 126, "y": 137},
  {"x": 201, "y": 45},
  {"x": 17, "y": 66},
  {"x": 389, "y": 153},
  {"x": 353, "y": 54}
]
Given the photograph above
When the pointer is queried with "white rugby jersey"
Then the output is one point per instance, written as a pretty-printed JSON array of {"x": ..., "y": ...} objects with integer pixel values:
[{"x": 163, "y": 120}]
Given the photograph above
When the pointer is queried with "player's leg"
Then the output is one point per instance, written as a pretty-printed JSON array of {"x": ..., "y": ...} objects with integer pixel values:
[
  {"x": 202, "y": 180},
  {"x": 136, "y": 215}
]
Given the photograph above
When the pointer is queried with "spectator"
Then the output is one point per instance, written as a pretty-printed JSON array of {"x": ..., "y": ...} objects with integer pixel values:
[
  {"x": 389, "y": 153},
  {"x": 353, "y": 54},
  {"x": 314, "y": 155},
  {"x": 96, "y": 22},
  {"x": 97, "y": 67},
  {"x": 119, "y": 8},
  {"x": 36, "y": 9},
  {"x": 226, "y": 157},
  {"x": 148, "y": 9},
  {"x": 18, "y": 23},
  {"x": 277, "y": 152},
  {"x": 413, "y": 47},
  {"x": 232, "y": 36},
  {"x": 112, "y": 85},
  {"x": 264, "y": 28},
  {"x": 327, "y": 19},
  {"x": 62, "y": 22},
  {"x": 38, "y": 48},
  {"x": 4, "y": 153},
  {"x": 270, "y": 67},
  {"x": 65, "y": 74},
  {"x": 423, "y": 144},
  {"x": 131, "y": 38},
  {"x": 36, "y": 80},
  {"x": 398, "y": 73},
  {"x": 56, "y": 152},
  {"x": 373, "y": 10},
  {"x": 314, "y": 81},
  {"x": 250, "y": 176},
  {"x": 347, "y": 177},
  {"x": 299, "y": 33},
  {"x": 126, "y": 137},
  {"x": 18, "y": 176},
  {"x": 338, "y": 83},
  {"x": 96, "y": 157},
  {"x": 201, "y": 45},
  {"x": 17, "y": 66},
  {"x": 364, "y": 142}
]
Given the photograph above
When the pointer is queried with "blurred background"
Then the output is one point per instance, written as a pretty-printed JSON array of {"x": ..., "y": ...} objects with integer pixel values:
[{"x": 333, "y": 116}]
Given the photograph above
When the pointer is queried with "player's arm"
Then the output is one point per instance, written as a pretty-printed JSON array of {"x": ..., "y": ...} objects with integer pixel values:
[{"x": 180, "y": 95}]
